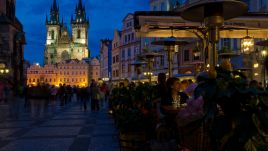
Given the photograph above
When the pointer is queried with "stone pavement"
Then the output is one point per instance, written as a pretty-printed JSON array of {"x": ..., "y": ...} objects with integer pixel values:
[{"x": 67, "y": 128}]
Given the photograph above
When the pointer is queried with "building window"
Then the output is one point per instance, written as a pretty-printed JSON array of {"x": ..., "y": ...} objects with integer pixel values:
[
  {"x": 162, "y": 60},
  {"x": 154, "y": 8},
  {"x": 132, "y": 36},
  {"x": 146, "y": 43},
  {"x": 128, "y": 37},
  {"x": 123, "y": 68},
  {"x": 129, "y": 68},
  {"x": 186, "y": 55},
  {"x": 123, "y": 54},
  {"x": 52, "y": 34},
  {"x": 117, "y": 58},
  {"x": 226, "y": 43},
  {"x": 78, "y": 33},
  {"x": 113, "y": 59},
  {"x": 125, "y": 38},
  {"x": 116, "y": 73},
  {"x": 129, "y": 52},
  {"x": 162, "y": 6}
]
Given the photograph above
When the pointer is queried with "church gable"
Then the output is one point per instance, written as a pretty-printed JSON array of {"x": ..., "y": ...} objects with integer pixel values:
[{"x": 64, "y": 38}]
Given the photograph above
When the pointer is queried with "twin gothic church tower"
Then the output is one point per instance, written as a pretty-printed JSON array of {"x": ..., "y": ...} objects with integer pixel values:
[{"x": 60, "y": 46}]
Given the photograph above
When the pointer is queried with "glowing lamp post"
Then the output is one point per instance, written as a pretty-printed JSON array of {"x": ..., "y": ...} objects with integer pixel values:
[
  {"x": 137, "y": 64},
  {"x": 213, "y": 13},
  {"x": 149, "y": 75},
  {"x": 247, "y": 44},
  {"x": 170, "y": 44}
]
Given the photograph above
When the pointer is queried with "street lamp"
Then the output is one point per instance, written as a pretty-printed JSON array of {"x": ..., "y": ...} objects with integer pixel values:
[
  {"x": 149, "y": 75},
  {"x": 150, "y": 58},
  {"x": 213, "y": 13},
  {"x": 170, "y": 44},
  {"x": 247, "y": 44},
  {"x": 138, "y": 65}
]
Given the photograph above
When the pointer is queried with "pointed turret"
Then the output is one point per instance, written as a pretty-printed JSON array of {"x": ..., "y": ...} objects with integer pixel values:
[
  {"x": 55, "y": 7},
  {"x": 80, "y": 24},
  {"x": 54, "y": 14},
  {"x": 80, "y": 14},
  {"x": 80, "y": 6}
]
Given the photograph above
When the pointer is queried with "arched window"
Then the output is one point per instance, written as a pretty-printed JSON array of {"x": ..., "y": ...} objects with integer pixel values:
[
  {"x": 52, "y": 34},
  {"x": 78, "y": 33}
]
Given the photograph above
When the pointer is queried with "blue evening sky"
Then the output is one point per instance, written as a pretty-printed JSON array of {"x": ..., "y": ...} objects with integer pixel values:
[{"x": 104, "y": 15}]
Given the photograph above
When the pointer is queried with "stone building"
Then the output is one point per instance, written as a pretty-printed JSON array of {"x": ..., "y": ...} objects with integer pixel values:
[
  {"x": 62, "y": 45},
  {"x": 130, "y": 47},
  {"x": 94, "y": 69},
  {"x": 116, "y": 63},
  {"x": 68, "y": 72},
  {"x": 12, "y": 41},
  {"x": 106, "y": 59}
]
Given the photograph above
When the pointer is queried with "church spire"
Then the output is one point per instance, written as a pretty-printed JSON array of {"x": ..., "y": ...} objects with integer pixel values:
[
  {"x": 80, "y": 7},
  {"x": 80, "y": 14},
  {"x": 55, "y": 8},
  {"x": 54, "y": 14}
]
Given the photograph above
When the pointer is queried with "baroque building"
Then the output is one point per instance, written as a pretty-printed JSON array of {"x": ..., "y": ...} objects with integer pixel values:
[
  {"x": 130, "y": 47},
  {"x": 116, "y": 63},
  {"x": 12, "y": 40},
  {"x": 60, "y": 44},
  {"x": 69, "y": 72}
]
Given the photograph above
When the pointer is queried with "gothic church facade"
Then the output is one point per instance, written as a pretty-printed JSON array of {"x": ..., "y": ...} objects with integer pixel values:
[{"x": 60, "y": 44}]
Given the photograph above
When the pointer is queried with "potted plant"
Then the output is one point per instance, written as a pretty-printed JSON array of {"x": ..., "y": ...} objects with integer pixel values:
[{"x": 133, "y": 113}]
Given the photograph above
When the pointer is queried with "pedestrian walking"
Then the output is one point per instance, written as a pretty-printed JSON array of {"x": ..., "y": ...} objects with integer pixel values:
[{"x": 95, "y": 96}]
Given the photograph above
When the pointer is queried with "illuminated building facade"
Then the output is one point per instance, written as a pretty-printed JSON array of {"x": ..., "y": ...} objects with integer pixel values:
[
  {"x": 60, "y": 45},
  {"x": 37, "y": 74},
  {"x": 94, "y": 69},
  {"x": 68, "y": 72}
]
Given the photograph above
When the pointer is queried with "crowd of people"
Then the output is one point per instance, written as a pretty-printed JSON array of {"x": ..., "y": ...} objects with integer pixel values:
[{"x": 36, "y": 99}]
